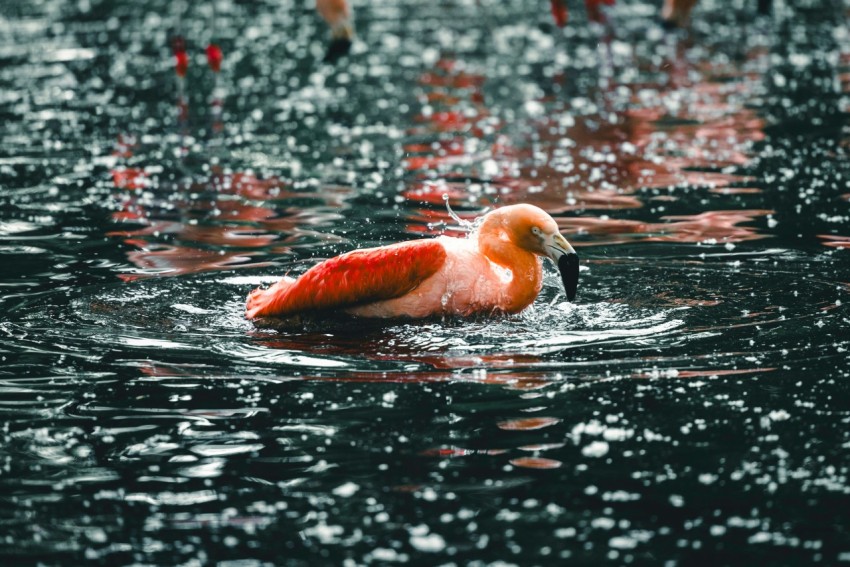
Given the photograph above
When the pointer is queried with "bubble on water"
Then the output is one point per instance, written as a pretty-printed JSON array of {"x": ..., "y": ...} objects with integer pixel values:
[
  {"x": 622, "y": 542},
  {"x": 603, "y": 523},
  {"x": 324, "y": 533},
  {"x": 386, "y": 554},
  {"x": 346, "y": 490},
  {"x": 489, "y": 168},
  {"x": 431, "y": 543},
  {"x": 595, "y": 449},
  {"x": 191, "y": 309},
  {"x": 389, "y": 398},
  {"x": 533, "y": 108},
  {"x": 779, "y": 415}
]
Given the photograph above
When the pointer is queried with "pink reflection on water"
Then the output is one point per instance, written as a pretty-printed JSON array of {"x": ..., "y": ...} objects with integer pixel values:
[
  {"x": 536, "y": 463},
  {"x": 153, "y": 259},
  {"x": 161, "y": 259},
  {"x": 527, "y": 424},
  {"x": 460, "y": 452},
  {"x": 207, "y": 226},
  {"x": 502, "y": 367},
  {"x": 438, "y": 154},
  {"x": 687, "y": 133},
  {"x": 219, "y": 222},
  {"x": 707, "y": 372},
  {"x": 709, "y": 227},
  {"x": 834, "y": 240}
]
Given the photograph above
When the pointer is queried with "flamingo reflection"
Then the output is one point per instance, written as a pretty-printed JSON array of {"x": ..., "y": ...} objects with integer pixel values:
[
  {"x": 222, "y": 220},
  {"x": 576, "y": 162}
]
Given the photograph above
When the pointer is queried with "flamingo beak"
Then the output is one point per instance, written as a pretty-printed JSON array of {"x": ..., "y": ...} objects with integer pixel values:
[
  {"x": 342, "y": 34},
  {"x": 562, "y": 253},
  {"x": 339, "y": 47}
]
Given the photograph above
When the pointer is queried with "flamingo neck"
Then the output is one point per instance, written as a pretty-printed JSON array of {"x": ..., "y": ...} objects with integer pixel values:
[{"x": 526, "y": 271}]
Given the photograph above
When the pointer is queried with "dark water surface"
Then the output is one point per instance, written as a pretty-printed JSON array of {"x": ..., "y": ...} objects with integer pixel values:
[{"x": 691, "y": 407}]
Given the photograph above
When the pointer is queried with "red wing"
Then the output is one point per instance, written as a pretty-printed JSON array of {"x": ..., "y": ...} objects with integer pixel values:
[{"x": 355, "y": 278}]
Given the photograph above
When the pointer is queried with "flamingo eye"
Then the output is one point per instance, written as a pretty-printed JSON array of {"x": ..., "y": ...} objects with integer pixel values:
[{"x": 536, "y": 231}]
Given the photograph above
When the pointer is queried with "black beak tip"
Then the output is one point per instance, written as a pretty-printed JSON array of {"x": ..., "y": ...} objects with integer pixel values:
[
  {"x": 568, "y": 266},
  {"x": 338, "y": 48}
]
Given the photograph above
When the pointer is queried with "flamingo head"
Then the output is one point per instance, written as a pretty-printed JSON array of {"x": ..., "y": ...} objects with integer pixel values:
[{"x": 532, "y": 229}]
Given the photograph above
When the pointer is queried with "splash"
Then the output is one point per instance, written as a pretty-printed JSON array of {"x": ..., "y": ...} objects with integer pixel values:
[{"x": 469, "y": 226}]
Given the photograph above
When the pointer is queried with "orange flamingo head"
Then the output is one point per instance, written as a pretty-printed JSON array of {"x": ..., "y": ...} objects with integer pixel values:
[{"x": 531, "y": 229}]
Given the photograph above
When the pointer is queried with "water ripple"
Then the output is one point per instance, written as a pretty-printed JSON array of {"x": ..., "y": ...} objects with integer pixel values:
[{"x": 700, "y": 375}]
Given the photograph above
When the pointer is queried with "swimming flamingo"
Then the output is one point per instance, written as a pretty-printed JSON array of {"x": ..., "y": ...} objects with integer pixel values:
[
  {"x": 338, "y": 16},
  {"x": 495, "y": 270}
]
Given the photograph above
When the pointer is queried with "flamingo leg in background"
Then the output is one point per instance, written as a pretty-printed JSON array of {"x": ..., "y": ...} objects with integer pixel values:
[
  {"x": 561, "y": 14},
  {"x": 677, "y": 13},
  {"x": 594, "y": 10}
]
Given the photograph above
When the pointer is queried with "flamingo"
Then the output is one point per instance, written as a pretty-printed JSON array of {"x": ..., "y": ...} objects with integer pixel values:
[
  {"x": 337, "y": 14},
  {"x": 495, "y": 270}
]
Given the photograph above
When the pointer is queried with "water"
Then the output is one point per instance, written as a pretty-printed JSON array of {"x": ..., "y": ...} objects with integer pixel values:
[{"x": 692, "y": 405}]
